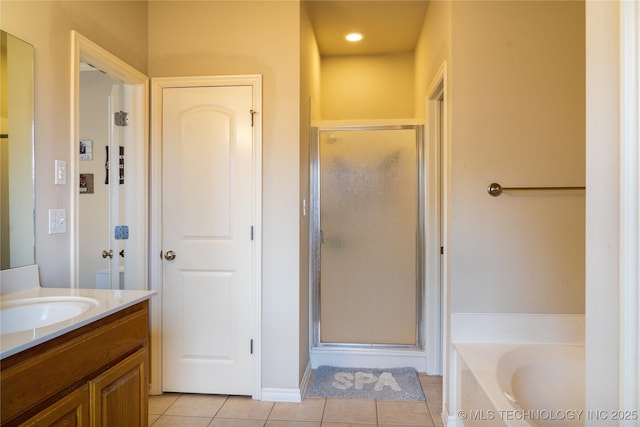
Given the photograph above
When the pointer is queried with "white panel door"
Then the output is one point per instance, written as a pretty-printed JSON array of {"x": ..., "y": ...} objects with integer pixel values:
[
  {"x": 208, "y": 301},
  {"x": 116, "y": 188}
]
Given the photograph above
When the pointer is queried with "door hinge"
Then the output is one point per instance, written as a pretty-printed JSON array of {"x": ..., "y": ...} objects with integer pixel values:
[
  {"x": 120, "y": 118},
  {"x": 251, "y": 232},
  {"x": 252, "y": 112},
  {"x": 441, "y": 250},
  {"x": 251, "y": 346}
]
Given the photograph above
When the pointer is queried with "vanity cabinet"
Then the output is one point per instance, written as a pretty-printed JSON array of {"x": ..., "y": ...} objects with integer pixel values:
[
  {"x": 96, "y": 375},
  {"x": 71, "y": 410}
]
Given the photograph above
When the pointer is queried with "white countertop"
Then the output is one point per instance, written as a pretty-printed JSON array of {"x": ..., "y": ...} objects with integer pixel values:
[{"x": 109, "y": 302}]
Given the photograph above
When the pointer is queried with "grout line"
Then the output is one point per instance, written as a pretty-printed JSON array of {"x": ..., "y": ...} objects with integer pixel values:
[
  {"x": 324, "y": 409},
  {"x": 226, "y": 399},
  {"x": 270, "y": 412}
]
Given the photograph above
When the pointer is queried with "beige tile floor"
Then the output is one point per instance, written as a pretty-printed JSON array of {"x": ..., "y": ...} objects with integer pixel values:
[{"x": 177, "y": 410}]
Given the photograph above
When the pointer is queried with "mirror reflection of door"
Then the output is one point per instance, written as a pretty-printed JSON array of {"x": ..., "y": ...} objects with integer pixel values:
[
  {"x": 16, "y": 153},
  {"x": 101, "y": 255}
]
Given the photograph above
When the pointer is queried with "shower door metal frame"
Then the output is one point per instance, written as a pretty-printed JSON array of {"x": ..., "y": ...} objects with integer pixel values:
[{"x": 316, "y": 238}]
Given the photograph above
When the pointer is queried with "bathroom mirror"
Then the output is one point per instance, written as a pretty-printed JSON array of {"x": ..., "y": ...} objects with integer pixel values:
[{"x": 17, "y": 237}]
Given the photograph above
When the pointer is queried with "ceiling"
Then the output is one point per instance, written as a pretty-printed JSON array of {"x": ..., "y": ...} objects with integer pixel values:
[{"x": 388, "y": 26}]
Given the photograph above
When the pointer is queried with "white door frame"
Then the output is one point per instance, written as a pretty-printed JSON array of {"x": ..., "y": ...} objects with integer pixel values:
[
  {"x": 438, "y": 159},
  {"x": 136, "y": 87},
  {"x": 630, "y": 208},
  {"x": 155, "y": 218}
]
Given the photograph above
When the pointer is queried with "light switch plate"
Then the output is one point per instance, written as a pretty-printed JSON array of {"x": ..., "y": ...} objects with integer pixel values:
[
  {"x": 57, "y": 221},
  {"x": 61, "y": 172}
]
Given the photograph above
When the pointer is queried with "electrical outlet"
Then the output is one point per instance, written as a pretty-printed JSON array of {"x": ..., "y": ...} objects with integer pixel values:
[{"x": 57, "y": 221}]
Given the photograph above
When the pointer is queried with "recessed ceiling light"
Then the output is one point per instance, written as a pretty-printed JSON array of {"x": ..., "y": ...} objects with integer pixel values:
[{"x": 353, "y": 37}]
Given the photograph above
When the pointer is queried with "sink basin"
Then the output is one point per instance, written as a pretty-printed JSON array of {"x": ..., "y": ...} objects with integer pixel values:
[{"x": 31, "y": 313}]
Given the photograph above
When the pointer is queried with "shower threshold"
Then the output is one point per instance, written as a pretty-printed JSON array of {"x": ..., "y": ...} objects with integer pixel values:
[{"x": 368, "y": 356}]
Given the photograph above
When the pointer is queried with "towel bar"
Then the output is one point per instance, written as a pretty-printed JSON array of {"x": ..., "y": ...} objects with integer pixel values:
[{"x": 496, "y": 189}]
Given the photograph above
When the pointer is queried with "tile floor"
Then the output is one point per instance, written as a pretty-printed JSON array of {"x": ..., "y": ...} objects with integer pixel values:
[{"x": 177, "y": 410}]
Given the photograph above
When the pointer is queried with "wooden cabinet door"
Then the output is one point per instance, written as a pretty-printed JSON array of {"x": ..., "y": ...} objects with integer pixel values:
[
  {"x": 71, "y": 410},
  {"x": 119, "y": 395}
]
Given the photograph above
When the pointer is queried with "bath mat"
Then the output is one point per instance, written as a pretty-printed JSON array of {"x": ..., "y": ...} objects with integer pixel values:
[{"x": 364, "y": 383}]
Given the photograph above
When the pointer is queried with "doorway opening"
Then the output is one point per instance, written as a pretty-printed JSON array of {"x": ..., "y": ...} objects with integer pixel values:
[
  {"x": 131, "y": 90},
  {"x": 102, "y": 186},
  {"x": 368, "y": 245},
  {"x": 436, "y": 253}
]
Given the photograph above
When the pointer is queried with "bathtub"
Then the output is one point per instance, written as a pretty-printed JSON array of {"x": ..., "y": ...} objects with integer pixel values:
[{"x": 520, "y": 385}]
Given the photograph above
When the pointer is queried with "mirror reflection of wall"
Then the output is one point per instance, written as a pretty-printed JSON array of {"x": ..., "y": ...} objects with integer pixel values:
[
  {"x": 17, "y": 242},
  {"x": 96, "y": 204}
]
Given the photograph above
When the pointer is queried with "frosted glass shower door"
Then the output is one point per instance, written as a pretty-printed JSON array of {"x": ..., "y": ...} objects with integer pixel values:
[{"x": 368, "y": 195}]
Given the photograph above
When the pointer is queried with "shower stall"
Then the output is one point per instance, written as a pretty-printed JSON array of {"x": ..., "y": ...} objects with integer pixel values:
[{"x": 367, "y": 237}]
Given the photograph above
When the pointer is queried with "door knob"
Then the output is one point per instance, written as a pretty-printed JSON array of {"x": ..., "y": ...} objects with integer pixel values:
[
  {"x": 170, "y": 255},
  {"x": 107, "y": 254}
]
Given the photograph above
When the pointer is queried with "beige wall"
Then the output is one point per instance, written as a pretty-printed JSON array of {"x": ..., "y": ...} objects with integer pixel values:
[
  {"x": 432, "y": 50},
  {"x": 186, "y": 38},
  {"x": 517, "y": 118},
  {"x": 253, "y": 37},
  {"x": 119, "y": 27},
  {"x": 367, "y": 87},
  {"x": 516, "y": 99}
]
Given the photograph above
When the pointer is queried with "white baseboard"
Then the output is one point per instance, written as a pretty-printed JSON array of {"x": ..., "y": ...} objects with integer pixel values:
[
  {"x": 368, "y": 358},
  {"x": 451, "y": 420},
  {"x": 281, "y": 395},
  {"x": 271, "y": 394},
  {"x": 306, "y": 378}
]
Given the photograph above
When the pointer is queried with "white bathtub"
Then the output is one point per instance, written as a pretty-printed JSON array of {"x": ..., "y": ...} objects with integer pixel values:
[{"x": 520, "y": 385}]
